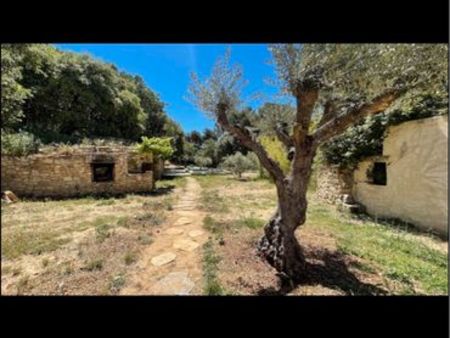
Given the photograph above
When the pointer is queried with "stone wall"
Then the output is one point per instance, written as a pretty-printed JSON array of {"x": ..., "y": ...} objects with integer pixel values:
[
  {"x": 158, "y": 168},
  {"x": 70, "y": 173},
  {"x": 332, "y": 183}
]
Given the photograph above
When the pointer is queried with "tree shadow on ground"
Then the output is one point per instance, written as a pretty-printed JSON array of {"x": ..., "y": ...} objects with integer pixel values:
[
  {"x": 159, "y": 191},
  {"x": 329, "y": 269}
]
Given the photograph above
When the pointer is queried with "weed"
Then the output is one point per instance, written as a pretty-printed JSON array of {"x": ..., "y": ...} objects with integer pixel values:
[
  {"x": 94, "y": 265},
  {"x": 117, "y": 283},
  {"x": 102, "y": 232},
  {"x": 130, "y": 258}
]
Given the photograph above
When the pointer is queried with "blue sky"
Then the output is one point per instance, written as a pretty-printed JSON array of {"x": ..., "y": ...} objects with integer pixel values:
[{"x": 166, "y": 68}]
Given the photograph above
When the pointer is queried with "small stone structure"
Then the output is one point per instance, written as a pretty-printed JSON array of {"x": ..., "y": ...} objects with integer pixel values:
[
  {"x": 332, "y": 183},
  {"x": 409, "y": 181},
  {"x": 78, "y": 171}
]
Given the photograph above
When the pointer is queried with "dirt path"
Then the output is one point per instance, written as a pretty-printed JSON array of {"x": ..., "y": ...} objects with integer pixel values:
[{"x": 172, "y": 264}]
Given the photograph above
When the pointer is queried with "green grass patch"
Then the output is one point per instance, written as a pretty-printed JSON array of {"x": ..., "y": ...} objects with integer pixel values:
[
  {"x": 250, "y": 222},
  {"x": 400, "y": 258},
  {"x": 27, "y": 242},
  {"x": 212, "y": 286}
]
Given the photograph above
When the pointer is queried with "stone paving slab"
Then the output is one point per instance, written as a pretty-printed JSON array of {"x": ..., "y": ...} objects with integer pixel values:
[
  {"x": 163, "y": 258},
  {"x": 175, "y": 283},
  {"x": 185, "y": 244},
  {"x": 174, "y": 231},
  {"x": 196, "y": 233},
  {"x": 183, "y": 220}
]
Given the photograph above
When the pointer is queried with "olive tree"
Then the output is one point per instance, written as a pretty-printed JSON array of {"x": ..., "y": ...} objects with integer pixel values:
[
  {"x": 348, "y": 82},
  {"x": 238, "y": 164}
]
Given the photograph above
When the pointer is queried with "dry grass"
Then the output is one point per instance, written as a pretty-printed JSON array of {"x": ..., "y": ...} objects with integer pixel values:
[
  {"x": 78, "y": 246},
  {"x": 346, "y": 255}
]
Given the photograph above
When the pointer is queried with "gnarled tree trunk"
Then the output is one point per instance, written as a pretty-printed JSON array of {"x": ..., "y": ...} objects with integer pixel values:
[{"x": 279, "y": 246}]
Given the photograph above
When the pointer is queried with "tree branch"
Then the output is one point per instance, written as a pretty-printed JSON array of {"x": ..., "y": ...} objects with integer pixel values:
[
  {"x": 306, "y": 99},
  {"x": 340, "y": 123},
  {"x": 283, "y": 136},
  {"x": 244, "y": 137},
  {"x": 328, "y": 113}
]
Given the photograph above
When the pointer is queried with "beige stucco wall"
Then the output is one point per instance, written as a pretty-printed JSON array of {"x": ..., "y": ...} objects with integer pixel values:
[
  {"x": 416, "y": 153},
  {"x": 70, "y": 174}
]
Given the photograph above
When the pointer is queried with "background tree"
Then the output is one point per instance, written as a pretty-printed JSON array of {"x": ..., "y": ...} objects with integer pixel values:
[
  {"x": 238, "y": 164},
  {"x": 202, "y": 161},
  {"x": 173, "y": 130},
  {"x": 65, "y": 97},
  {"x": 349, "y": 82},
  {"x": 14, "y": 93}
]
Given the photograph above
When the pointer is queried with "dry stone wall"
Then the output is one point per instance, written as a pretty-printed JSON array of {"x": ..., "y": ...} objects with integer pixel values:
[
  {"x": 70, "y": 174},
  {"x": 332, "y": 183}
]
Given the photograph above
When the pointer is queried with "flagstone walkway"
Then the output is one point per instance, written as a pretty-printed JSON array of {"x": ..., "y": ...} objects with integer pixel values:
[{"x": 172, "y": 264}]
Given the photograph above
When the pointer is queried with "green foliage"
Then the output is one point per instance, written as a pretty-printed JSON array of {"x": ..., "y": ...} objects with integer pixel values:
[
  {"x": 366, "y": 138},
  {"x": 64, "y": 97},
  {"x": 173, "y": 130},
  {"x": 13, "y": 93},
  {"x": 19, "y": 144},
  {"x": 239, "y": 163},
  {"x": 158, "y": 146},
  {"x": 361, "y": 71},
  {"x": 276, "y": 151}
]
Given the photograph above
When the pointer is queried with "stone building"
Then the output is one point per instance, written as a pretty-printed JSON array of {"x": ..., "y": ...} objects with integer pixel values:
[
  {"x": 409, "y": 181},
  {"x": 78, "y": 171}
]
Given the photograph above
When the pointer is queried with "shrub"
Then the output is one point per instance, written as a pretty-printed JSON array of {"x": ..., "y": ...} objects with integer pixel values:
[
  {"x": 158, "y": 146},
  {"x": 19, "y": 144}
]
